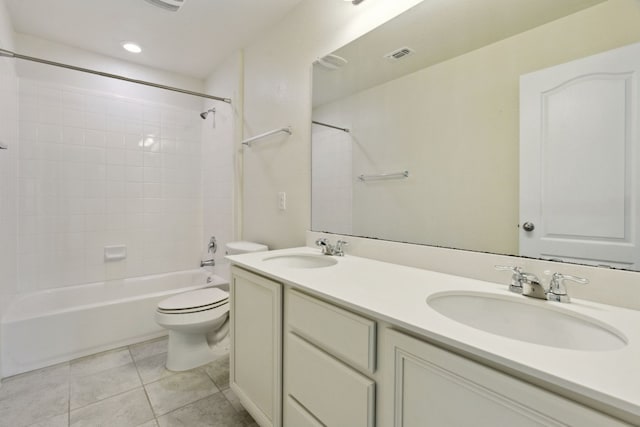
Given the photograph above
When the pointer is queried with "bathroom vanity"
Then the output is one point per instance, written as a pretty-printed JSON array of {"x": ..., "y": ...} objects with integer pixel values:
[{"x": 349, "y": 341}]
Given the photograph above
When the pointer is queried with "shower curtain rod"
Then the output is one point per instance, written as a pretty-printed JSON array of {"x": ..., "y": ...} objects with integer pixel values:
[
  {"x": 9, "y": 54},
  {"x": 330, "y": 126}
]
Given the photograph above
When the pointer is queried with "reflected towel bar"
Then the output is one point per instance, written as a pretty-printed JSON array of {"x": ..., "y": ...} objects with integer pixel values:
[
  {"x": 331, "y": 126},
  {"x": 248, "y": 141},
  {"x": 396, "y": 175},
  {"x": 3, "y": 146}
]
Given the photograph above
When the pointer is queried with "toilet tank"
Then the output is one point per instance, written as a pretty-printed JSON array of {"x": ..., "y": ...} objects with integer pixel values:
[{"x": 242, "y": 247}]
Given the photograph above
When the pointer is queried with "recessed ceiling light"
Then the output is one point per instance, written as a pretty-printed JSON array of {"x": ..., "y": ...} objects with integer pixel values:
[{"x": 131, "y": 47}]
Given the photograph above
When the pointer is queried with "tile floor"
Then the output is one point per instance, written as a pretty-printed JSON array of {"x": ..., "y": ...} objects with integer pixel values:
[{"x": 128, "y": 386}]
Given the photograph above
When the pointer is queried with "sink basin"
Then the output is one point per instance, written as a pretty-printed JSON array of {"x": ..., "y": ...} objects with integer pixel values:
[
  {"x": 301, "y": 261},
  {"x": 525, "y": 319}
]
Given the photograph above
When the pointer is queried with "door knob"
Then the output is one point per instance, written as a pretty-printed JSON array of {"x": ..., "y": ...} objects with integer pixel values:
[{"x": 528, "y": 226}]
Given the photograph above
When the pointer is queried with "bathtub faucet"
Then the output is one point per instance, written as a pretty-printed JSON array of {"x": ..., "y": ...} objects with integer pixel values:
[{"x": 208, "y": 263}]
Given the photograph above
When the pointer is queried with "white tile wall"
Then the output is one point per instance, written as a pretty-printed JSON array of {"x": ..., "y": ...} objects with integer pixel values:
[
  {"x": 8, "y": 181},
  {"x": 217, "y": 182},
  {"x": 220, "y": 153},
  {"x": 97, "y": 169}
]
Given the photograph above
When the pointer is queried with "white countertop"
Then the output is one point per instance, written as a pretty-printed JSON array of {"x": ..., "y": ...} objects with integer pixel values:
[{"x": 397, "y": 294}]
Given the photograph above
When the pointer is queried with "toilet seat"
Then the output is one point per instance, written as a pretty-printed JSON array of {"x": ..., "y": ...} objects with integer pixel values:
[{"x": 194, "y": 301}]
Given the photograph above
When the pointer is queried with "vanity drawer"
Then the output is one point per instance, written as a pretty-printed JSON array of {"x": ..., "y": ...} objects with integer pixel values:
[
  {"x": 296, "y": 415},
  {"x": 346, "y": 335},
  {"x": 335, "y": 394}
]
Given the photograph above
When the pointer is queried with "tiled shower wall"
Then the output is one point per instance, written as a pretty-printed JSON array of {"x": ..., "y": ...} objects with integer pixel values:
[
  {"x": 95, "y": 170},
  {"x": 8, "y": 166}
]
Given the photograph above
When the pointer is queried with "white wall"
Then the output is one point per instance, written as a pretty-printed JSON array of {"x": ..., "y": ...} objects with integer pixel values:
[
  {"x": 277, "y": 89},
  {"x": 8, "y": 164},
  {"x": 332, "y": 177},
  {"x": 220, "y": 147}
]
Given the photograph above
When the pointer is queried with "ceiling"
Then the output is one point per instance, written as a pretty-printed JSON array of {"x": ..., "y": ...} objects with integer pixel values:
[
  {"x": 192, "y": 41},
  {"x": 437, "y": 30}
]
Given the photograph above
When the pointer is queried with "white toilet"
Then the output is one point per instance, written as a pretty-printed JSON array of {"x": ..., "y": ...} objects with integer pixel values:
[{"x": 198, "y": 321}]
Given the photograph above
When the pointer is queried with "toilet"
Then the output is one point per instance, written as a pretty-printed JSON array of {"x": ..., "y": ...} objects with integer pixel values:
[{"x": 198, "y": 321}]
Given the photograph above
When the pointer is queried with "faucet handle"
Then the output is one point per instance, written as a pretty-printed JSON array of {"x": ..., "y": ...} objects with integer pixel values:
[
  {"x": 557, "y": 290},
  {"x": 325, "y": 246},
  {"x": 516, "y": 277},
  {"x": 213, "y": 245},
  {"x": 321, "y": 241},
  {"x": 339, "y": 249}
]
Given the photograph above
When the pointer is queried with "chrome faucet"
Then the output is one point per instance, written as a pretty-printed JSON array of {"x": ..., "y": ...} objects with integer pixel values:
[
  {"x": 211, "y": 248},
  {"x": 557, "y": 290},
  {"x": 516, "y": 277},
  {"x": 329, "y": 249},
  {"x": 529, "y": 285},
  {"x": 213, "y": 245},
  {"x": 208, "y": 262}
]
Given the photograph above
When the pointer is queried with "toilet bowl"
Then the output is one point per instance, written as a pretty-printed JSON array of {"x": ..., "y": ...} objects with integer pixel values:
[{"x": 198, "y": 323}]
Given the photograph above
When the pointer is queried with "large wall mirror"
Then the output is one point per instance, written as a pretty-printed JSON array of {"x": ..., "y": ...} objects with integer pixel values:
[{"x": 502, "y": 126}]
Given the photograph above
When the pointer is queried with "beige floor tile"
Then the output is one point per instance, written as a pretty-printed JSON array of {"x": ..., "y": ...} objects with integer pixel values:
[
  {"x": 178, "y": 390},
  {"x": 151, "y": 423},
  {"x": 148, "y": 348},
  {"x": 92, "y": 388},
  {"x": 235, "y": 402},
  {"x": 105, "y": 389},
  {"x": 212, "y": 411},
  {"x": 52, "y": 376},
  {"x": 218, "y": 370},
  {"x": 128, "y": 409},
  {"x": 57, "y": 421},
  {"x": 100, "y": 362},
  {"x": 233, "y": 399},
  {"x": 152, "y": 368},
  {"x": 33, "y": 405}
]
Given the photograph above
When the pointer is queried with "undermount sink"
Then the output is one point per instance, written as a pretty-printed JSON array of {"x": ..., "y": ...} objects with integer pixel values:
[
  {"x": 523, "y": 319},
  {"x": 301, "y": 261}
]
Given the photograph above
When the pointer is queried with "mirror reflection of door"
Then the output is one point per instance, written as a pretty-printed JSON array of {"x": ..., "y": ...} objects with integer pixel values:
[{"x": 579, "y": 160}]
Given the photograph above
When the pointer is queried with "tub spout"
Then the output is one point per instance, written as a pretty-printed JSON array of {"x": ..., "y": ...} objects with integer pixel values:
[{"x": 208, "y": 263}]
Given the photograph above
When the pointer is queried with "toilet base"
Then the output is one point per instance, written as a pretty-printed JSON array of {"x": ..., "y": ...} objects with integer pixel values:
[{"x": 188, "y": 351}]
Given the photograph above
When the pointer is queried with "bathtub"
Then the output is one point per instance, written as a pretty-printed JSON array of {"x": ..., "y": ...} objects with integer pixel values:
[{"x": 52, "y": 326}]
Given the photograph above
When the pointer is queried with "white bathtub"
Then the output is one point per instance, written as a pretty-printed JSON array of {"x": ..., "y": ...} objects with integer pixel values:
[{"x": 48, "y": 327}]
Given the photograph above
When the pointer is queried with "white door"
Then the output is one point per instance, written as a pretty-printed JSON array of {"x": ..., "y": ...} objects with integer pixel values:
[{"x": 579, "y": 160}]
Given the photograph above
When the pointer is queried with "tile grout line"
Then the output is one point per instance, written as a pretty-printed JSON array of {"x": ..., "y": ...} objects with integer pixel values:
[
  {"x": 144, "y": 387},
  {"x": 97, "y": 355}
]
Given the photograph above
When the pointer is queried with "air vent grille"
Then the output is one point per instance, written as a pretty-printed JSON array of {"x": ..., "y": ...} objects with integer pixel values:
[
  {"x": 171, "y": 5},
  {"x": 399, "y": 53}
]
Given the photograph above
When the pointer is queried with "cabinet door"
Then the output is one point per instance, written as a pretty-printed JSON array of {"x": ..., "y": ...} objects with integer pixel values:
[
  {"x": 426, "y": 386},
  {"x": 256, "y": 345}
]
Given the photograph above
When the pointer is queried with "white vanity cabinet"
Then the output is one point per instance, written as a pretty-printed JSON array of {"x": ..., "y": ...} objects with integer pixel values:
[
  {"x": 300, "y": 361},
  {"x": 329, "y": 364},
  {"x": 256, "y": 351},
  {"x": 428, "y": 386}
]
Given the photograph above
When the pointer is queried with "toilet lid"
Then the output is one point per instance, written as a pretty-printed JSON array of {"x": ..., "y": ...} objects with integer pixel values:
[{"x": 201, "y": 299}]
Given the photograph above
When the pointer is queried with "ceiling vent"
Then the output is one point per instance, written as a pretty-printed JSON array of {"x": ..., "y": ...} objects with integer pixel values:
[
  {"x": 399, "y": 53},
  {"x": 170, "y": 5}
]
